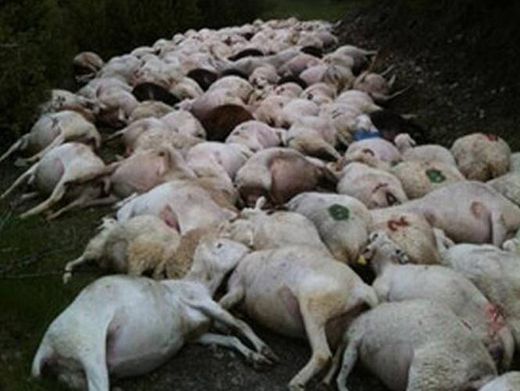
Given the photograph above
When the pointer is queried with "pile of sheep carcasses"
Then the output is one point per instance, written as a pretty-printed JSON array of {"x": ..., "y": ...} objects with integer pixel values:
[{"x": 264, "y": 152}]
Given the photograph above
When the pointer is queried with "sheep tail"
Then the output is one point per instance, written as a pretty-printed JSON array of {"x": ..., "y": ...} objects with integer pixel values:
[{"x": 42, "y": 355}]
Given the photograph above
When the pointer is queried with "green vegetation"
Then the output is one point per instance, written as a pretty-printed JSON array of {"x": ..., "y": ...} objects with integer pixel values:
[
  {"x": 33, "y": 254},
  {"x": 38, "y": 40}
]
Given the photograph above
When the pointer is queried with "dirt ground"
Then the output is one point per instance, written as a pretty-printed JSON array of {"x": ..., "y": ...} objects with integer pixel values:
[
  {"x": 33, "y": 252},
  {"x": 454, "y": 89}
]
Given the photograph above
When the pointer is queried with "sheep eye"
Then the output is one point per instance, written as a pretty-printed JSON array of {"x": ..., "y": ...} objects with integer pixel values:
[
  {"x": 401, "y": 256},
  {"x": 219, "y": 245},
  {"x": 391, "y": 199}
]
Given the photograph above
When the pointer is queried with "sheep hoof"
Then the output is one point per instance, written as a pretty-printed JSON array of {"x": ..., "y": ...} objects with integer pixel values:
[
  {"x": 66, "y": 277},
  {"x": 296, "y": 387},
  {"x": 267, "y": 352},
  {"x": 322, "y": 386},
  {"x": 259, "y": 362}
]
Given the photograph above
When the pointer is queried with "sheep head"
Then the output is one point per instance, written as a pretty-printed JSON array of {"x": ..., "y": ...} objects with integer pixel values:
[
  {"x": 214, "y": 258},
  {"x": 381, "y": 250}
]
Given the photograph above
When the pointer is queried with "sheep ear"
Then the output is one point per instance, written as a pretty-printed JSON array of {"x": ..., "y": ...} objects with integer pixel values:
[
  {"x": 251, "y": 239},
  {"x": 224, "y": 229},
  {"x": 169, "y": 217},
  {"x": 260, "y": 203},
  {"x": 441, "y": 240}
]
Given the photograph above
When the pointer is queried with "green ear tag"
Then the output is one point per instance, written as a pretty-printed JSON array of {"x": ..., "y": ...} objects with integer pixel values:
[
  {"x": 435, "y": 176},
  {"x": 339, "y": 212}
]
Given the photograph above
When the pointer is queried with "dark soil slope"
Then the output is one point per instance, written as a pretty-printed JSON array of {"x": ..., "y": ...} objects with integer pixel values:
[{"x": 462, "y": 58}]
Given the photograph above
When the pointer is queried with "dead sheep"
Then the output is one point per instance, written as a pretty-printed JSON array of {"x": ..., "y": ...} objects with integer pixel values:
[
  {"x": 140, "y": 244},
  {"x": 482, "y": 156},
  {"x": 343, "y": 222},
  {"x": 420, "y": 178},
  {"x": 397, "y": 281},
  {"x": 416, "y": 345}
]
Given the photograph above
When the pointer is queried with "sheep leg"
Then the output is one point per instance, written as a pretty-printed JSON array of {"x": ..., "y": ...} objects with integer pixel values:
[
  {"x": 93, "y": 252},
  {"x": 16, "y": 146},
  {"x": 115, "y": 135},
  {"x": 336, "y": 361},
  {"x": 321, "y": 354},
  {"x": 71, "y": 265},
  {"x": 159, "y": 271},
  {"x": 136, "y": 266},
  {"x": 101, "y": 201},
  {"x": 387, "y": 71},
  {"x": 95, "y": 366},
  {"x": 350, "y": 357},
  {"x": 498, "y": 229},
  {"x": 76, "y": 203},
  {"x": 216, "y": 312},
  {"x": 60, "y": 139},
  {"x": 57, "y": 194},
  {"x": 232, "y": 297},
  {"x": 97, "y": 375},
  {"x": 231, "y": 342},
  {"x": 28, "y": 196},
  {"x": 25, "y": 176},
  {"x": 386, "y": 98},
  {"x": 420, "y": 378},
  {"x": 392, "y": 80}
]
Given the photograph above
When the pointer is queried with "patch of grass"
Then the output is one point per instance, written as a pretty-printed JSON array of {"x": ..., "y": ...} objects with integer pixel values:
[{"x": 33, "y": 253}]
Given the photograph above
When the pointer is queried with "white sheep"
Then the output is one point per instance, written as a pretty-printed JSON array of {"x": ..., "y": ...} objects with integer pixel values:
[
  {"x": 260, "y": 230},
  {"x": 125, "y": 326},
  {"x": 515, "y": 162},
  {"x": 493, "y": 271},
  {"x": 509, "y": 381},
  {"x": 420, "y": 178},
  {"x": 399, "y": 281},
  {"x": 143, "y": 243},
  {"x": 482, "y": 156},
  {"x": 508, "y": 185},
  {"x": 374, "y": 187},
  {"x": 380, "y": 148},
  {"x": 52, "y": 130},
  {"x": 424, "y": 153},
  {"x": 342, "y": 221},
  {"x": 300, "y": 292},
  {"x": 415, "y": 345},
  {"x": 412, "y": 232}
]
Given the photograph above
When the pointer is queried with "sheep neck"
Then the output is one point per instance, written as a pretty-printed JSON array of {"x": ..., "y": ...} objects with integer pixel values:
[
  {"x": 381, "y": 265},
  {"x": 211, "y": 282}
]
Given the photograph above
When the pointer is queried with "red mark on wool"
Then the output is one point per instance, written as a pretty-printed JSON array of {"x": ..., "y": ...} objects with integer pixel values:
[
  {"x": 496, "y": 319},
  {"x": 491, "y": 137},
  {"x": 394, "y": 225}
]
